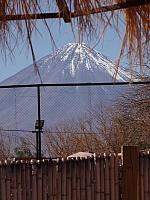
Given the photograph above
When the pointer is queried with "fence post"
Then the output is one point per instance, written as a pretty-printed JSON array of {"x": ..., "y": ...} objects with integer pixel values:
[{"x": 130, "y": 181}]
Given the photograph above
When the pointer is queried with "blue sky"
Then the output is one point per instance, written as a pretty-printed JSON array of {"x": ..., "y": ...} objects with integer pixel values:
[{"x": 110, "y": 47}]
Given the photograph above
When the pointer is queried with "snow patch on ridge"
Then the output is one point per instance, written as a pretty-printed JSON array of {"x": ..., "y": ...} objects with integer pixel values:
[{"x": 82, "y": 57}]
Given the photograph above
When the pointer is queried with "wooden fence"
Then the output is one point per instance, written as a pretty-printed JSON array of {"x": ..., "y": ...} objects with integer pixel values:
[{"x": 100, "y": 178}]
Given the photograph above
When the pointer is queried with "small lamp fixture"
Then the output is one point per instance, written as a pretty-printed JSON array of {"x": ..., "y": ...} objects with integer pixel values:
[{"x": 39, "y": 124}]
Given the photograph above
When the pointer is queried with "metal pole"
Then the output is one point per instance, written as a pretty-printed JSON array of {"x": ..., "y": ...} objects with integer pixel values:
[
  {"x": 39, "y": 129},
  {"x": 37, "y": 145}
]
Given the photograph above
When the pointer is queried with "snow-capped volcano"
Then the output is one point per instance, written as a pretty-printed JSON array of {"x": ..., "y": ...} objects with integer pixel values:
[{"x": 73, "y": 63}]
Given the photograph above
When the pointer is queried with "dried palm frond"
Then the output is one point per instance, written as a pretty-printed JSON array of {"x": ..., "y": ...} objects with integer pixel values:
[{"x": 18, "y": 20}]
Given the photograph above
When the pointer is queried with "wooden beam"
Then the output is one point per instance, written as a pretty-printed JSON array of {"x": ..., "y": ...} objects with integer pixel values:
[
  {"x": 102, "y": 9},
  {"x": 63, "y": 8},
  {"x": 120, "y": 6}
]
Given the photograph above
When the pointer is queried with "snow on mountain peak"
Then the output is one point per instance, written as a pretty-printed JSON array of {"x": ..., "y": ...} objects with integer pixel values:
[
  {"x": 78, "y": 62},
  {"x": 75, "y": 62}
]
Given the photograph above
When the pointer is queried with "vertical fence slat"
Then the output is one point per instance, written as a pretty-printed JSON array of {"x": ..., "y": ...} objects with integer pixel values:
[
  {"x": 112, "y": 177},
  {"x": 88, "y": 179},
  {"x": 50, "y": 183},
  {"x": 102, "y": 179},
  {"x": 78, "y": 179},
  {"x": 0, "y": 180},
  {"x": 24, "y": 181},
  {"x": 59, "y": 180},
  {"x": 107, "y": 178},
  {"x": 34, "y": 181},
  {"x": 68, "y": 177},
  {"x": 8, "y": 181},
  {"x": 19, "y": 189},
  {"x": 54, "y": 180},
  {"x": 39, "y": 181},
  {"x": 82, "y": 179},
  {"x": 73, "y": 182},
  {"x": 146, "y": 185},
  {"x": 141, "y": 177},
  {"x": 14, "y": 180},
  {"x": 117, "y": 171},
  {"x": 149, "y": 173},
  {"x": 97, "y": 189},
  {"x": 93, "y": 179},
  {"x": 29, "y": 180},
  {"x": 64, "y": 195},
  {"x": 130, "y": 173},
  {"x": 3, "y": 186},
  {"x": 44, "y": 180}
]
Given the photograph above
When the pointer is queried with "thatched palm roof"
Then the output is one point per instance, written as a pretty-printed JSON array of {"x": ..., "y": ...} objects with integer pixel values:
[{"x": 21, "y": 16}]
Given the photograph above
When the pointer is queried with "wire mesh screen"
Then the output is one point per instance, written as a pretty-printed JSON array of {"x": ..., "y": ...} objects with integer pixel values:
[
  {"x": 18, "y": 108},
  {"x": 62, "y": 104},
  {"x": 68, "y": 109}
]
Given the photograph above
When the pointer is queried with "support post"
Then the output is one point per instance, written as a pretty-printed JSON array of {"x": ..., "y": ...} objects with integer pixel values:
[
  {"x": 130, "y": 181},
  {"x": 37, "y": 145},
  {"x": 39, "y": 129}
]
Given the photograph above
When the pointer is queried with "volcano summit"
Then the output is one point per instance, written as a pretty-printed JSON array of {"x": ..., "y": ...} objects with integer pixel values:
[{"x": 72, "y": 63}]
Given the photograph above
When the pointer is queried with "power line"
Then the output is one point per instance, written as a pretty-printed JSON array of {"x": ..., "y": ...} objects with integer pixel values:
[
  {"x": 53, "y": 132},
  {"x": 17, "y": 130}
]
